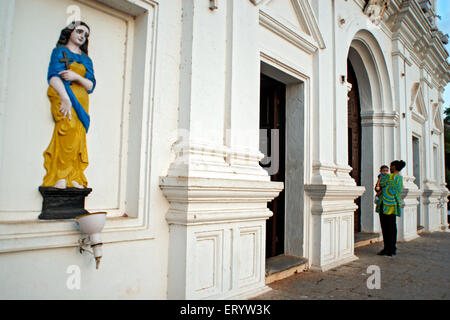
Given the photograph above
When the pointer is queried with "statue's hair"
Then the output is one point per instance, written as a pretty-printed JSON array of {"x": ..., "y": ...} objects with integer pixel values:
[{"x": 67, "y": 31}]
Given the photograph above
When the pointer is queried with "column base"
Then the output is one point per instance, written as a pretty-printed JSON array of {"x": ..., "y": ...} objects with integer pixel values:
[
  {"x": 332, "y": 209},
  {"x": 217, "y": 236},
  {"x": 431, "y": 203},
  {"x": 407, "y": 223},
  {"x": 247, "y": 294},
  {"x": 334, "y": 264},
  {"x": 408, "y": 238}
]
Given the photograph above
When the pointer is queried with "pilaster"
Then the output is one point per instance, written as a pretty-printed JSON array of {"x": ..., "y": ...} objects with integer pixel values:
[
  {"x": 431, "y": 203},
  {"x": 407, "y": 223},
  {"x": 217, "y": 236},
  {"x": 444, "y": 211},
  {"x": 324, "y": 164},
  {"x": 332, "y": 236},
  {"x": 216, "y": 189}
]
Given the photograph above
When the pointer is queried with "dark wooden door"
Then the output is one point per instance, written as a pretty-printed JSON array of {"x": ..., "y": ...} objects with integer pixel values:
[
  {"x": 272, "y": 116},
  {"x": 354, "y": 137}
]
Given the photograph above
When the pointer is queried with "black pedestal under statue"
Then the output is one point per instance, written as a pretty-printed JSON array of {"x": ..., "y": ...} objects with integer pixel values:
[{"x": 65, "y": 203}]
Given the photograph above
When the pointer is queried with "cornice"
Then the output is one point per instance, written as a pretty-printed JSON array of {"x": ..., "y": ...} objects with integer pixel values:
[
  {"x": 301, "y": 41},
  {"x": 196, "y": 201},
  {"x": 332, "y": 199},
  {"x": 414, "y": 31},
  {"x": 381, "y": 119}
]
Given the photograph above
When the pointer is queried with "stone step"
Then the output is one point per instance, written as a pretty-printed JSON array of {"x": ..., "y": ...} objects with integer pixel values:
[
  {"x": 366, "y": 238},
  {"x": 283, "y": 266}
]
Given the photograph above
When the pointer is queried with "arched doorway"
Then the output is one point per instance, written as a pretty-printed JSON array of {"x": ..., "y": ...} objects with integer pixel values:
[
  {"x": 354, "y": 136},
  {"x": 371, "y": 122}
]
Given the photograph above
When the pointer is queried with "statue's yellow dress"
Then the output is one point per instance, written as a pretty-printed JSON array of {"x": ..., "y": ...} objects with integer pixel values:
[{"x": 66, "y": 157}]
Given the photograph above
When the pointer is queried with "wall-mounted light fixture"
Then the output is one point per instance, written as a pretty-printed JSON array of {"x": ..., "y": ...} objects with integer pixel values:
[
  {"x": 91, "y": 225},
  {"x": 213, "y": 5}
]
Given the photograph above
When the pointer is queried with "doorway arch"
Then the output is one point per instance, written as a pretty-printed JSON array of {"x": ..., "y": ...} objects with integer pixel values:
[{"x": 378, "y": 120}]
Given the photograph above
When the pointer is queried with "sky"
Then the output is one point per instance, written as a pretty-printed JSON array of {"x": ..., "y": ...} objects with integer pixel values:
[{"x": 443, "y": 10}]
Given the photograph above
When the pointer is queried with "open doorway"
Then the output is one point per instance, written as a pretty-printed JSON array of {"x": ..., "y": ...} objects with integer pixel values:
[
  {"x": 273, "y": 140},
  {"x": 417, "y": 175},
  {"x": 354, "y": 137},
  {"x": 283, "y": 141}
]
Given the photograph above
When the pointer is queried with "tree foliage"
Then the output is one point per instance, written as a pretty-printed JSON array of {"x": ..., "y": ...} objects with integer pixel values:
[{"x": 447, "y": 144}]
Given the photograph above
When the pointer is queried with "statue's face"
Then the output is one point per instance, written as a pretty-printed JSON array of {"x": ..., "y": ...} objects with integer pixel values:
[{"x": 79, "y": 35}]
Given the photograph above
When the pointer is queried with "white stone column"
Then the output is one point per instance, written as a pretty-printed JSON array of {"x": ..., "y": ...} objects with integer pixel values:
[
  {"x": 217, "y": 191},
  {"x": 332, "y": 191},
  {"x": 242, "y": 90},
  {"x": 324, "y": 166},
  {"x": 407, "y": 223},
  {"x": 431, "y": 192},
  {"x": 374, "y": 125}
]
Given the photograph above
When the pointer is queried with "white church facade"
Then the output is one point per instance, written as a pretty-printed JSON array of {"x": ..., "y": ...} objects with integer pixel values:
[{"x": 223, "y": 133}]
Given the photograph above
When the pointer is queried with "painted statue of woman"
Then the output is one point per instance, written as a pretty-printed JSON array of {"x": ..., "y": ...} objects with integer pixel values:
[{"x": 71, "y": 80}]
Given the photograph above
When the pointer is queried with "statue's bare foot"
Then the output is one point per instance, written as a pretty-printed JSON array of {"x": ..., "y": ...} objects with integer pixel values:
[
  {"x": 60, "y": 184},
  {"x": 77, "y": 185}
]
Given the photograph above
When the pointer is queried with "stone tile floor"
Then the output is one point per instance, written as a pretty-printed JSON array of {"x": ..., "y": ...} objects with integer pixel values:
[{"x": 420, "y": 270}]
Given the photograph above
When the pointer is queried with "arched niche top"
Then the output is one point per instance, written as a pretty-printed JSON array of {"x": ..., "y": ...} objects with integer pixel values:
[
  {"x": 372, "y": 73},
  {"x": 438, "y": 122},
  {"x": 418, "y": 105}
]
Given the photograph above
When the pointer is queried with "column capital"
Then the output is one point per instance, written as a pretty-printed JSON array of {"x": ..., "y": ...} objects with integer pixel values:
[{"x": 329, "y": 199}]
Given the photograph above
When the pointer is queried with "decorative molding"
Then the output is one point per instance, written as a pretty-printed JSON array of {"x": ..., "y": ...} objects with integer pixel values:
[
  {"x": 330, "y": 199},
  {"x": 256, "y": 2},
  {"x": 379, "y": 119},
  {"x": 418, "y": 106},
  {"x": 303, "y": 42},
  {"x": 349, "y": 88},
  {"x": 201, "y": 159},
  {"x": 303, "y": 8},
  {"x": 375, "y": 10},
  {"x": 438, "y": 122},
  {"x": 207, "y": 200},
  {"x": 309, "y": 42},
  {"x": 402, "y": 56},
  {"x": 284, "y": 67},
  {"x": 413, "y": 29}
]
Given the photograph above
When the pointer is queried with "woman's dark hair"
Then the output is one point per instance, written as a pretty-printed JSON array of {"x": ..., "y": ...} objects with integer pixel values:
[
  {"x": 398, "y": 164},
  {"x": 67, "y": 31},
  {"x": 384, "y": 167}
]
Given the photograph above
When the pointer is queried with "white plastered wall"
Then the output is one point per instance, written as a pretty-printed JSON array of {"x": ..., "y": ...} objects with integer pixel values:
[{"x": 128, "y": 145}]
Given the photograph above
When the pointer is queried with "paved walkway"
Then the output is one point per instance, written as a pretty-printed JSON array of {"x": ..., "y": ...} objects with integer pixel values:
[{"x": 420, "y": 270}]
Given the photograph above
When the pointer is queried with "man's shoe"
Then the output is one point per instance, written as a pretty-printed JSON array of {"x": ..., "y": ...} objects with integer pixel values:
[{"x": 382, "y": 253}]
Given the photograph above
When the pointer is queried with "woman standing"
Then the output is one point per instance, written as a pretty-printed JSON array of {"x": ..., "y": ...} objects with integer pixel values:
[
  {"x": 71, "y": 80},
  {"x": 389, "y": 206}
]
